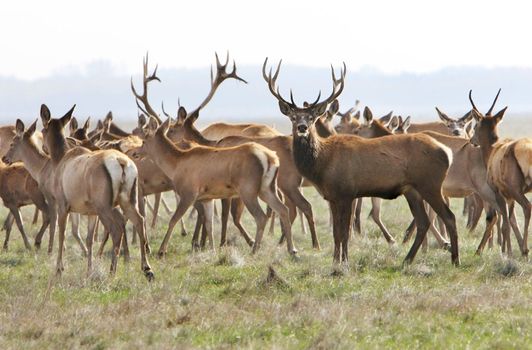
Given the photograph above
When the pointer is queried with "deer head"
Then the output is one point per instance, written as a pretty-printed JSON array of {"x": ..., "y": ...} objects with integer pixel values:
[
  {"x": 457, "y": 126},
  {"x": 53, "y": 132},
  {"x": 21, "y": 141},
  {"x": 402, "y": 125},
  {"x": 303, "y": 118},
  {"x": 485, "y": 132},
  {"x": 373, "y": 127}
]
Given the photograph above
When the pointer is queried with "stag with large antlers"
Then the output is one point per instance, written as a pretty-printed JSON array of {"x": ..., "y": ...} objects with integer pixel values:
[
  {"x": 347, "y": 167},
  {"x": 509, "y": 167},
  {"x": 289, "y": 179}
]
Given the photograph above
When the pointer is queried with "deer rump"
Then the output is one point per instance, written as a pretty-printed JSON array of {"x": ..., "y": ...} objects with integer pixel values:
[
  {"x": 511, "y": 157},
  {"x": 403, "y": 158},
  {"x": 83, "y": 175}
]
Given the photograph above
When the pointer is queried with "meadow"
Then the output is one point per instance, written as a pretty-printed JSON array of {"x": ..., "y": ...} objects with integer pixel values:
[{"x": 232, "y": 299}]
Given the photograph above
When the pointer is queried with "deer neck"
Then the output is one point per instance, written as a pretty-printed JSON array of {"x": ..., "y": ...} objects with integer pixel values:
[
  {"x": 486, "y": 147},
  {"x": 164, "y": 154},
  {"x": 195, "y": 135},
  {"x": 306, "y": 152},
  {"x": 58, "y": 146},
  {"x": 34, "y": 160}
]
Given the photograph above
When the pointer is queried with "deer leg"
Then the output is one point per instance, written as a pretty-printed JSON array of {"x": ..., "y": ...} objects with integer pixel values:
[
  {"x": 208, "y": 207},
  {"x": 156, "y": 203},
  {"x": 306, "y": 208},
  {"x": 90, "y": 241},
  {"x": 357, "y": 226},
  {"x": 506, "y": 240},
  {"x": 437, "y": 202},
  {"x": 477, "y": 209},
  {"x": 270, "y": 196},
  {"x": 132, "y": 214},
  {"x": 237, "y": 208},
  {"x": 103, "y": 241},
  {"x": 8, "y": 224},
  {"x": 292, "y": 214},
  {"x": 252, "y": 204},
  {"x": 35, "y": 216},
  {"x": 376, "y": 216},
  {"x": 74, "y": 224},
  {"x": 415, "y": 202},
  {"x": 61, "y": 222},
  {"x": 18, "y": 220},
  {"x": 409, "y": 231},
  {"x": 342, "y": 217},
  {"x": 200, "y": 219},
  {"x": 271, "y": 214},
  {"x": 186, "y": 200},
  {"x": 334, "y": 205},
  {"x": 525, "y": 205},
  {"x": 114, "y": 222},
  {"x": 491, "y": 219},
  {"x": 226, "y": 206}
]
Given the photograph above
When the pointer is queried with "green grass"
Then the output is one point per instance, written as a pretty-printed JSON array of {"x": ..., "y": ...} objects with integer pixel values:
[{"x": 223, "y": 299}]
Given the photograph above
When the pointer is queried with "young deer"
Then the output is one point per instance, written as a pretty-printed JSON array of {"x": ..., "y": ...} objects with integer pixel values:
[
  {"x": 17, "y": 189},
  {"x": 509, "y": 168},
  {"x": 84, "y": 182},
  {"x": 204, "y": 173},
  {"x": 347, "y": 167}
]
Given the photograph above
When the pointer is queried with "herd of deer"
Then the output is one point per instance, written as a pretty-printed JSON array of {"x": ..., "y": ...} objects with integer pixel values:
[{"x": 107, "y": 173}]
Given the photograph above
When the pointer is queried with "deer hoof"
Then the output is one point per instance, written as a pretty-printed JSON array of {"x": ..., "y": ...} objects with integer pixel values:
[
  {"x": 149, "y": 275},
  {"x": 37, "y": 245},
  {"x": 447, "y": 246}
]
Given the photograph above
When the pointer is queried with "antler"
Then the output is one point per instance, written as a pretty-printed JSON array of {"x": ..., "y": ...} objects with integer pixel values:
[
  {"x": 221, "y": 75},
  {"x": 472, "y": 103},
  {"x": 144, "y": 97},
  {"x": 492, "y": 105},
  {"x": 338, "y": 86},
  {"x": 272, "y": 83},
  {"x": 494, "y": 101}
]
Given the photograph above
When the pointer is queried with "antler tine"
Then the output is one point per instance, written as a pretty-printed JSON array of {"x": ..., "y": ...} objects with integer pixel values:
[
  {"x": 472, "y": 103},
  {"x": 292, "y": 97},
  {"x": 164, "y": 112},
  {"x": 145, "y": 80},
  {"x": 142, "y": 109},
  {"x": 494, "y": 101},
  {"x": 338, "y": 85},
  {"x": 272, "y": 82}
]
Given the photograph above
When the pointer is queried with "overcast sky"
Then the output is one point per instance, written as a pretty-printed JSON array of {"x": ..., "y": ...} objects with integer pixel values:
[{"x": 40, "y": 38}]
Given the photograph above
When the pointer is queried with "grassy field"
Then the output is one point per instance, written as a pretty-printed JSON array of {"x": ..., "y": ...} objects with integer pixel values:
[{"x": 225, "y": 299}]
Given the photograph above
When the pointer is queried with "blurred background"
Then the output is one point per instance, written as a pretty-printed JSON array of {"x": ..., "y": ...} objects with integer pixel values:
[{"x": 407, "y": 56}]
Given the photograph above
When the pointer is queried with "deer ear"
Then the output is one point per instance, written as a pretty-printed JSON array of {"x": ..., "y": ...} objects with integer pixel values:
[
  {"x": 181, "y": 114},
  {"x": 357, "y": 115},
  {"x": 45, "y": 115},
  {"x": 32, "y": 128},
  {"x": 319, "y": 110},
  {"x": 87, "y": 124},
  {"x": 285, "y": 109},
  {"x": 386, "y": 119},
  {"x": 467, "y": 117},
  {"x": 73, "y": 125},
  {"x": 108, "y": 117},
  {"x": 476, "y": 114},
  {"x": 66, "y": 118},
  {"x": 368, "y": 116},
  {"x": 142, "y": 120},
  {"x": 406, "y": 123},
  {"x": 444, "y": 118},
  {"x": 333, "y": 108},
  {"x": 153, "y": 124},
  {"x": 19, "y": 127},
  {"x": 99, "y": 126},
  {"x": 393, "y": 124},
  {"x": 500, "y": 114}
]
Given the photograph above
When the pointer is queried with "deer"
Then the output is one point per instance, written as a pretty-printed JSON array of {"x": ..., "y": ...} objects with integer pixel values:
[
  {"x": 345, "y": 167},
  {"x": 204, "y": 173},
  {"x": 289, "y": 179},
  {"x": 81, "y": 181},
  {"x": 509, "y": 167},
  {"x": 18, "y": 189}
]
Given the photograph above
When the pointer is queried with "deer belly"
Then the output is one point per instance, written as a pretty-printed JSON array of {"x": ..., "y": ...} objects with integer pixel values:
[{"x": 217, "y": 192}]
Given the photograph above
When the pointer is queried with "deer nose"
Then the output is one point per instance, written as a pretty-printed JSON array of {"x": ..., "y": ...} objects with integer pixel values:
[
  {"x": 302, "y": 128},
  {"x": 456, "y": 132}
]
